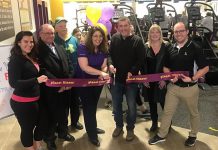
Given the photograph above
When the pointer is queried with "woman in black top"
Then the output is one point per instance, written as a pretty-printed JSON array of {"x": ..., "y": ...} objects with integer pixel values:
[
  {"x": 155, "y": 55},
  {"x": 23, "y": 72}
]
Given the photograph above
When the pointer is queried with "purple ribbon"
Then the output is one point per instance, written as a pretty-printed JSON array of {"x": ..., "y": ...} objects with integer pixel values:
[
  {"x": 71, "y": 82},
  {"x": 156, "y": 77}
]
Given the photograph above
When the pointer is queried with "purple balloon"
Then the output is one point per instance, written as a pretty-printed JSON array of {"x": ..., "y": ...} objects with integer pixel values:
[
  {"x": 107, "y": 24},
  {"x": 107, "y": 11}
]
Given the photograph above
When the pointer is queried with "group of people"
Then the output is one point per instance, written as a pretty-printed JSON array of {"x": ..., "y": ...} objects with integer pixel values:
[{"x": 43, "y": 111}]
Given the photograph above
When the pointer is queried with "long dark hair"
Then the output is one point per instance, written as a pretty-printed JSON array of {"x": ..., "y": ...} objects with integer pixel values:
[
  {"x": 16, "y": 50},
  {"x": 103, "y": 47}
]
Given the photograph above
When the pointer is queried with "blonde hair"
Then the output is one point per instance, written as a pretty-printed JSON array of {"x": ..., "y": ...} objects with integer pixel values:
[{"x": 154, "y": 27}]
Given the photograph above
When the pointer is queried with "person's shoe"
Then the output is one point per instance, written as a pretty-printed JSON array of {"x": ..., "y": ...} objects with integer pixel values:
[
  {"x": 154, "y": 127},
  {"x": 145, "y": 114},
  {"x": 156, "y": 139},
  {"x": 100, "y": 131},
  {"x": 117, "y": 132},
  {"x": 51, "y": 145},
  {"x": 77, "y": 126},
  {"x": 190, "y": 141},
  {"x": 130, "y": 135},
  {"x": 95, "y": 142},
  {"x": 67, "y": 137}
]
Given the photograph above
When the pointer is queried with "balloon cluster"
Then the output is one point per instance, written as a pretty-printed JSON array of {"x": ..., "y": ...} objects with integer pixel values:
[{"x": 100, "y": 15}]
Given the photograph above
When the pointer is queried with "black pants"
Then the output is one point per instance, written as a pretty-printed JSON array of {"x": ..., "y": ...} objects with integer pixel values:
[
  {"x": 57, "y": 112},
  {"x": 28, "y": 118},
  {"x": 74, "y": 106},
  {"x": 89, "y": 97},
  {"x": 153, "y": 109},
  {"x": 153, "y": 100}
]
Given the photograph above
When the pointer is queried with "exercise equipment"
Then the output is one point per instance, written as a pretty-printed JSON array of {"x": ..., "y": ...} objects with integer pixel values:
[
  {"x": 83, "y": 24},
  {"x": 125, "y": 10},
  {"x": 157, "y": 14},
  {"x": 197, "y": 33}
]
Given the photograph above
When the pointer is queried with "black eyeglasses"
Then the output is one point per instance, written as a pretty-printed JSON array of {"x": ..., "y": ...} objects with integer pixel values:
[
  {"x": 48, "y": 33},
  {"x": 179, "y": 31}
]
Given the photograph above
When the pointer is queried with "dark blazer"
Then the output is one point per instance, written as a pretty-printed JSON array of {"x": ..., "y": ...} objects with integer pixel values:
[
  {"x": 51, "y": 65},
  {"x": 160, "y": 56},
  {"x": 159, "y": 94}
]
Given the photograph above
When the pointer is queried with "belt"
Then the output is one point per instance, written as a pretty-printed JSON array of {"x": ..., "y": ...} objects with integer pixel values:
[{"x": 185, "y": 84}]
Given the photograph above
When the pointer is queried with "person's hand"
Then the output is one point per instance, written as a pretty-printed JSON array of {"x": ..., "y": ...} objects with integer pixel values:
[
  {"x": 68, "y": 88},
  {"x": 42, "y": 79},
  {"x": 129, "y": 74},
  {"x": 186, "y": 78},
  {"x": 62, "y": 89},
  {"x": 162, "y": 84},
  {"x": 175, "y": 79},
  {"x": 112, "y": 69},
  {"x": 146, "y": 84},
  {"x": 104, "y": 76}
]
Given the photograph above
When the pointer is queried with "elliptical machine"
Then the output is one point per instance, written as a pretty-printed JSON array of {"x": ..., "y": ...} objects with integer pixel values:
[
  {"x": 122, "y": 10},
  {"x": 197, "y": 34},
  {"x": 156, "y": 13}
]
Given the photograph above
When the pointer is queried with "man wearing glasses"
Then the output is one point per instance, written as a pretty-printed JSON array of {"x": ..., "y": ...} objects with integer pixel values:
[
  {"x": 181, "y": 57},
  {"x": 55, "y": 64}
]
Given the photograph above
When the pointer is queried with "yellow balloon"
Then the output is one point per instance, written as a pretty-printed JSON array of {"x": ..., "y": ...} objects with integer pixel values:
[
  {"x": 93, "y": 13},
  {"x": 102, "y": 27}
]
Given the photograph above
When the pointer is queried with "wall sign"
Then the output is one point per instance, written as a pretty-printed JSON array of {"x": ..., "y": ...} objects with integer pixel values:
[
  {"x": 25, "y": 15},
  {"x": 6, "y": 20}
]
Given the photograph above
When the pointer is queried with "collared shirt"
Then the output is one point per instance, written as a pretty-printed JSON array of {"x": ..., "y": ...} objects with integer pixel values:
[
  {"x": 52, "y": 47},
  {"x": 95, "y": 60},
  {"x": 183, "y": 59}
]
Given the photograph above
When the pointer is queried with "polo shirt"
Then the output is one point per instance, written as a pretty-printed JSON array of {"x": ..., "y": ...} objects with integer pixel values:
[
  {"x": 95, "y": 60},
  {"x": 183, "y": 59}
]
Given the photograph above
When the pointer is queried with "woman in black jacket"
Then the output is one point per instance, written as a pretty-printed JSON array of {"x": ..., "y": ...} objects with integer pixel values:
[
  {"x": 155, "y": 55},
  {"x": 23, "y": 72}
]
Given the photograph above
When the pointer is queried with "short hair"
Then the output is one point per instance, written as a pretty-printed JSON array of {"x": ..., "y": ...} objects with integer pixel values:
[
  {"x": 186, "y": 26},
  {"x": 76, "y": 30},
  {"x": 103, "y": 47},
  {"x": 123, "y": 19},
  {"x": 154, "y": 27},
  {"x": 41, "y": 28}
]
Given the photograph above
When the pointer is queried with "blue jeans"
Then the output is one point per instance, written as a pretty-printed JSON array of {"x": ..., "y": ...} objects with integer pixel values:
[{"x": 130, "y": 91}]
